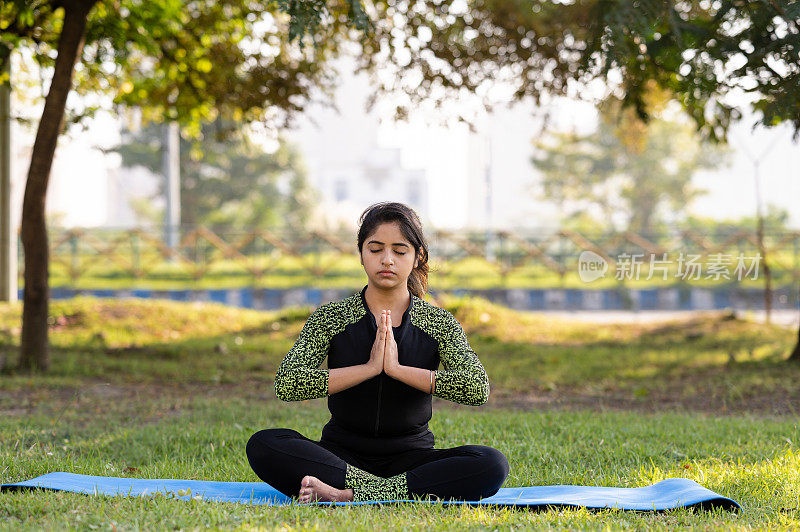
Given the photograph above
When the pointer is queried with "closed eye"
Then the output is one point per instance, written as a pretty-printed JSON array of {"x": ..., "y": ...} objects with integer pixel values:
[{"x": 378, "y": 251}]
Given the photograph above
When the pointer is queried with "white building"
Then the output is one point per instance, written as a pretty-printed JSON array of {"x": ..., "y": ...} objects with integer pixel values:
[
  {"x": 348, "y": 188},
  {"x": 440, "y": 171}
]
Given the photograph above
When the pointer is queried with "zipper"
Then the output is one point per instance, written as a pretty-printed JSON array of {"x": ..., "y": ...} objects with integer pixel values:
[{"x": 378, "y": 408}]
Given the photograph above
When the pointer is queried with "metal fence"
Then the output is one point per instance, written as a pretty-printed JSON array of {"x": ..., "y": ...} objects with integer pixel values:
[{"x": 78, "y": 254}]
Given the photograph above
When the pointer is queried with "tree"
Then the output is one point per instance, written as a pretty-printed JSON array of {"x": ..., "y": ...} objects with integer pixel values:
[
  {"x": 227, "y": 180},
  {"x": 626, "y": 168},
  {"x": 184, "y": 61},
  {"x": 34, "y": 347}
]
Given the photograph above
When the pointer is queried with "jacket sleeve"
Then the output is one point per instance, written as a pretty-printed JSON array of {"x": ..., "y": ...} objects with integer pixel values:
[
  {"x": 463, "y": 379},
  {"x": 299, "y": 376}
]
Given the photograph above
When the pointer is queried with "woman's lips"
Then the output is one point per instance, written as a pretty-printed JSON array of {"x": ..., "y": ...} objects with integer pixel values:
[{"x": 386, "y": 273}]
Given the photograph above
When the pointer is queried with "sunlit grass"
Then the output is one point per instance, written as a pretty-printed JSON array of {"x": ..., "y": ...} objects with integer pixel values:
[
  {"x": 336, "y": 270},
  {"x": 752, "y": 460},
  {"x": 159, "y": 389},
  {"x": 155, "y": 341}
]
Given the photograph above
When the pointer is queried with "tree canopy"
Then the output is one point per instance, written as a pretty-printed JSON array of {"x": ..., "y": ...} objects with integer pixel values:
[
  {"x": 186, "y": 61},
  {"x": 702, "y": 51},
  {"x": 241, "y": 59}
]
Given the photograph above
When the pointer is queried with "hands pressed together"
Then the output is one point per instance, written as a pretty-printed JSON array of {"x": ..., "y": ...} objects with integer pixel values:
[{"x": 382, "y": 358}]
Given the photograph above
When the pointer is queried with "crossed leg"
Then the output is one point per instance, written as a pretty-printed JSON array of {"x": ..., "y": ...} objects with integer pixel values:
[{"x": 310, "y": 470}]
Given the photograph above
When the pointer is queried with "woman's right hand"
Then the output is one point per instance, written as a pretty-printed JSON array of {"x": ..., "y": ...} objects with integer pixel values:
[{"x": 378, "y": 348}]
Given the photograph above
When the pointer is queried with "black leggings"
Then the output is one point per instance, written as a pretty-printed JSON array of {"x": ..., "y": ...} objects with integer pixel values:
[{"x": 282, "y": 457}]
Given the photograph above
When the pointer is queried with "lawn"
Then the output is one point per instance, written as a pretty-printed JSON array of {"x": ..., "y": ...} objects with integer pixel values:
[
  {"x": 343, "y": 270},
  {"x": 173, "y": 390}
]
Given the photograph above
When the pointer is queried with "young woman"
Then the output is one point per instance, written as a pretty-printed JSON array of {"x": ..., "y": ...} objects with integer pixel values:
[{"x": 383, "y": 345}]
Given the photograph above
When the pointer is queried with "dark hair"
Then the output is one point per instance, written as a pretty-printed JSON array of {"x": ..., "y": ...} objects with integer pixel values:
[{"x": 410, "y": 226}]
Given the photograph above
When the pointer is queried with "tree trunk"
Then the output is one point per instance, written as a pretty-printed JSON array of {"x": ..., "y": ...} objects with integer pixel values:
[
  {"x": 34, "y": 348},
  {"x": 795, "y": 356}
]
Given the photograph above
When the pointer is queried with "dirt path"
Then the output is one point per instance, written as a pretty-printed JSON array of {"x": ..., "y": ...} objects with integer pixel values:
[{"x": 784, "y": 318}]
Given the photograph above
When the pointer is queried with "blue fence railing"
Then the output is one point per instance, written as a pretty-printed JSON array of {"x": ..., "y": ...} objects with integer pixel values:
[{"x": 688, "y": 298}]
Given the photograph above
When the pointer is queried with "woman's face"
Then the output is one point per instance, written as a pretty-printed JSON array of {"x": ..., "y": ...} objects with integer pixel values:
[{"x": 386, "y": 249}]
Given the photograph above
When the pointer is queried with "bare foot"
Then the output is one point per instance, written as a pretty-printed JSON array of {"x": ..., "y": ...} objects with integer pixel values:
[{"x": 313, "y": 489}]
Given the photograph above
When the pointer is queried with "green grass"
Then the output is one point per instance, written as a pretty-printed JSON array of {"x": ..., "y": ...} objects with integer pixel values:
[
  {"x": 156, "y": 340},
  {"x": 753, "y": 460},
  {"x": 146, "y": 389}
]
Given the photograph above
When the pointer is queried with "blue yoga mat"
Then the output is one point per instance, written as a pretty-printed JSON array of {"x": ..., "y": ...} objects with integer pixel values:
[{"x": 669, "y": 493}]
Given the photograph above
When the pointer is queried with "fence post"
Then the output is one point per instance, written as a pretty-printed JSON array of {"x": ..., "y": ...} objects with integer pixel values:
[
  {"x": 795, "y": 300},
  {"x": 74, "y": 261},
  {"x": 137, "y": 270}
]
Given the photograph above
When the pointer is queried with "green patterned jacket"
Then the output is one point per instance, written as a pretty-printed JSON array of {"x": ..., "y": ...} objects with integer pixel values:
[{"x": 344, "y": 332}]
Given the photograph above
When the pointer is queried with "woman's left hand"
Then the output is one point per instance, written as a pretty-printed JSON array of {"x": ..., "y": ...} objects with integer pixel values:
[{"x": 391, "y": 362}]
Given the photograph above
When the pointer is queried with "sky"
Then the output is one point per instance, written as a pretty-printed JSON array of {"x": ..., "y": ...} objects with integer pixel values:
[{"x": 452, "y": 156}]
